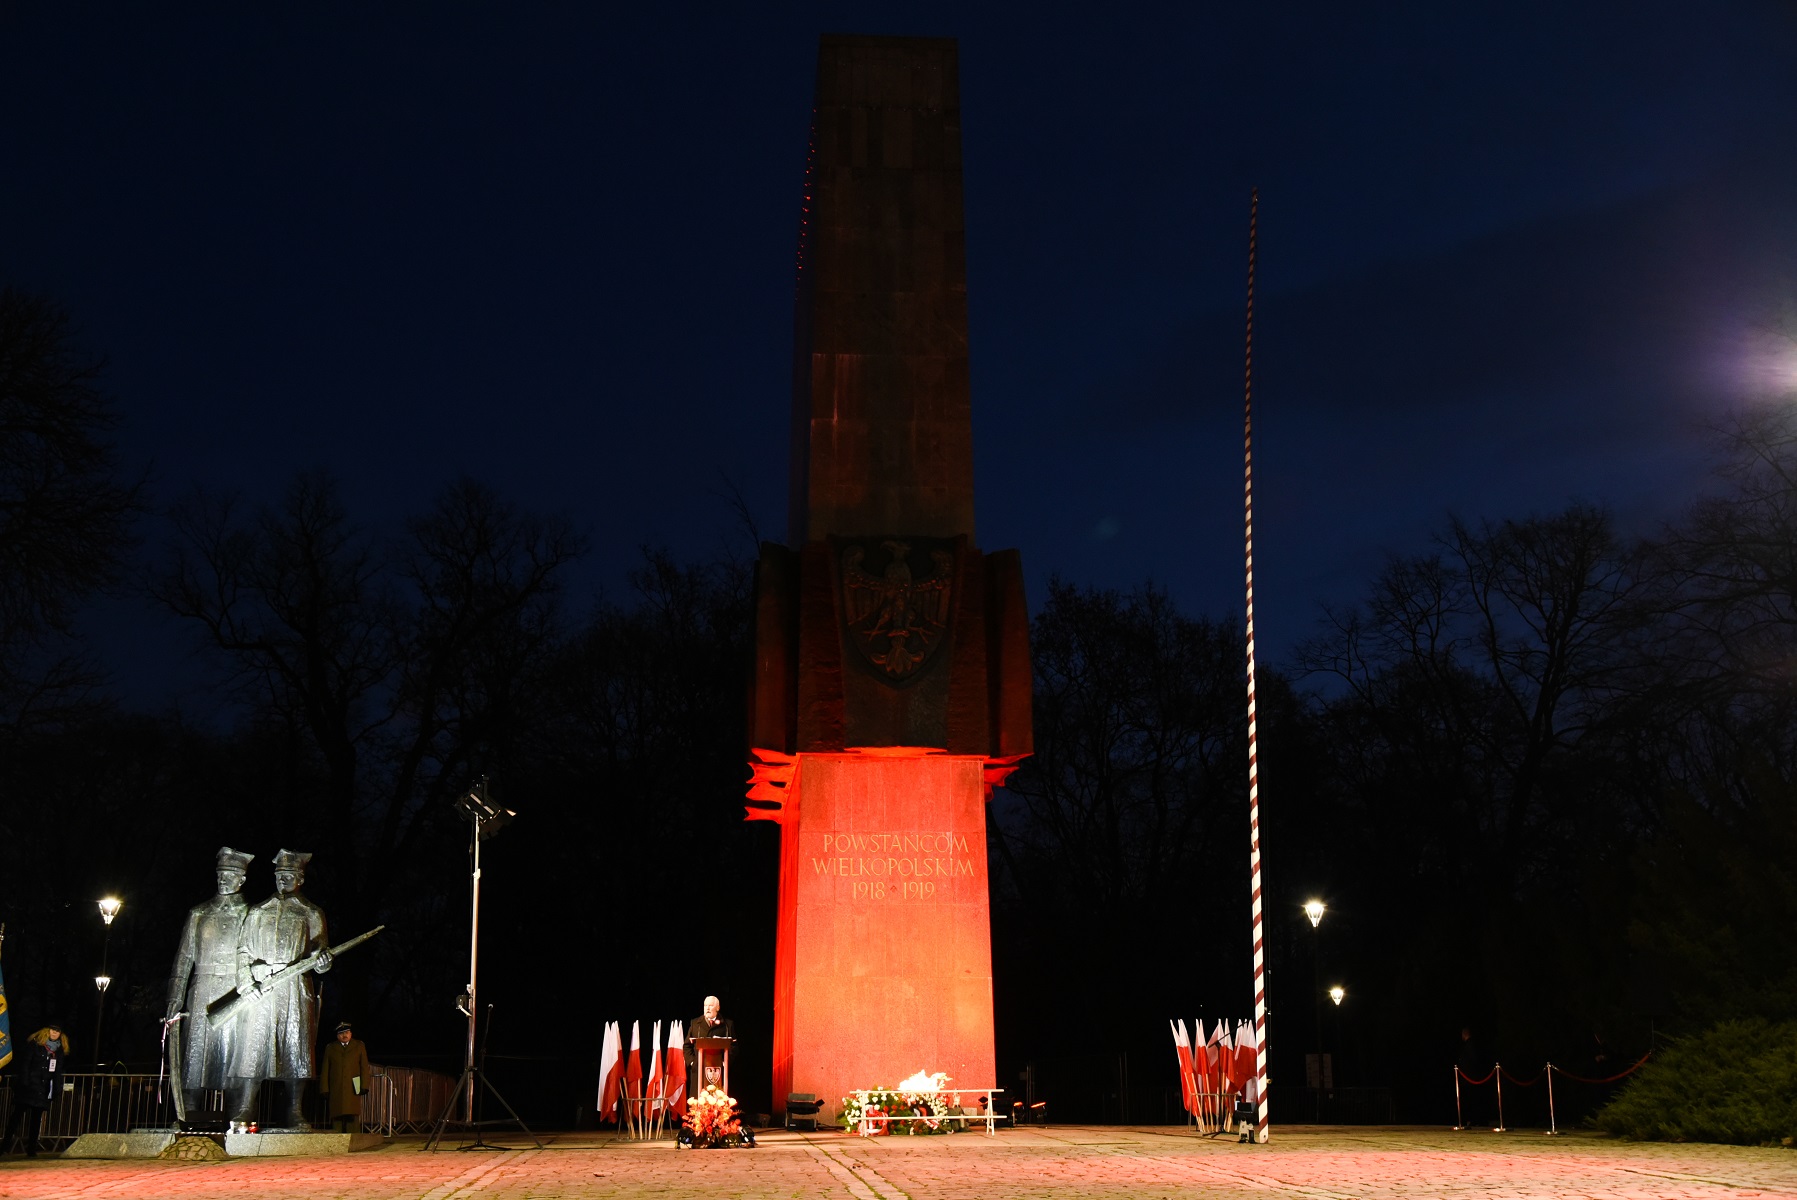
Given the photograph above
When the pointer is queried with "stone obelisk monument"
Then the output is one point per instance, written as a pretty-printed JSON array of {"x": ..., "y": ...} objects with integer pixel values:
[{"x": 892, "y": 675}]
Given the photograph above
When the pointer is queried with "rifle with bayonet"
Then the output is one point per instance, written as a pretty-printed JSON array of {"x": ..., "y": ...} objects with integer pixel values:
[
  {"x": 226, "y": 1007},
  {"x": 171, "y": 1055}
]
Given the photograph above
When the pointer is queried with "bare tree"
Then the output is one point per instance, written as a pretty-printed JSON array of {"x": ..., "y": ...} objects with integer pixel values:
[
  {"x": 1139, "y": 715},
  {"x": 1736, "y": 557},
  {"x": 65, "y": 516},
  {"x": 1476, "y": 671},
  {"x": 400, "y": 669},
  {"x": 1130, "y": 814}
]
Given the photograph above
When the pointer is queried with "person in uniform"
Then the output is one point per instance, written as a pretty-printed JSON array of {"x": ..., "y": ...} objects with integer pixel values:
[
  {"x": 343, "y": 1075},
  {"x": 205, "y": 970},
  {"x": 277, "y": 1034},
  {"x": 712, "y": 1024}
]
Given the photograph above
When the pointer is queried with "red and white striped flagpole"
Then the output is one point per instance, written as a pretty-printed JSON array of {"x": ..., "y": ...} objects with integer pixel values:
[{"x": 1261, "y": 1128}]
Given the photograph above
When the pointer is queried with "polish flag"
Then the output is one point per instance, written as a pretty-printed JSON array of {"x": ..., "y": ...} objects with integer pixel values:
[
  {"x": 676, "y": 1075},
  {"x": 1199, "y": 1061},
  {"x": 1183, "y": 1050},
  {"x": 652, "y": 1089},
  {"x": 633, "y": 1065},
  {"x": 1200, "y": 1064},
  {"x": 1194, "y": 1061},
  {"x": 1225, "y": 1059},
  {"x": 1245, "y": 1048},
  {"x": 1246, "y": 1060},
  {"x": 610, "y": 1066}
]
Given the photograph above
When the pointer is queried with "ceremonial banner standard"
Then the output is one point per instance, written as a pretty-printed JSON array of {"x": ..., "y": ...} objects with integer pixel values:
[
  {"x": 892, "y": 675},
  {"x": 5, "y": 1020}
]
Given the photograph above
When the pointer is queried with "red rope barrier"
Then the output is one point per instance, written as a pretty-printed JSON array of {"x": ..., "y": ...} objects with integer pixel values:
[
  {"x": 1612, "y": 1079},
  {"x": 1498, "y": 1068}
]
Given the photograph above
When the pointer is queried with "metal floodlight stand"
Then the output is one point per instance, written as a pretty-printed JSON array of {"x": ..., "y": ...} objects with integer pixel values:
[{"x": 486, "y": 819}]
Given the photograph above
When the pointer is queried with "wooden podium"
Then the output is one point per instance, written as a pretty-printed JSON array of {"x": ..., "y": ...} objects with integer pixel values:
[{"x": 713, "y": 1052}]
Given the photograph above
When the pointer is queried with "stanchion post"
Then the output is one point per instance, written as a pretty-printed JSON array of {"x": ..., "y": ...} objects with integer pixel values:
[
  {"x": 1459, "y": 1117},
  {"x": 1552, "y": 1127},
  {"x": 1497, "y": 1073}
]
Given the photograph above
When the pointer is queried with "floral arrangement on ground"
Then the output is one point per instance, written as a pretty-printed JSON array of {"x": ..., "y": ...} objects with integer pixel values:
[
  {"x": 923, "y": 1097},
  {"x": 711, "y": 1121}
]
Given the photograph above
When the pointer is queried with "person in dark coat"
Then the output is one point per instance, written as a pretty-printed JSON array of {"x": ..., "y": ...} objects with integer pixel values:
[
  {"x": 712, "y": 1024},
  {"x": 1474, "y": 1064},
  {"x": 45, "y": 1060},
  {"x": 343, "y": 1075}
]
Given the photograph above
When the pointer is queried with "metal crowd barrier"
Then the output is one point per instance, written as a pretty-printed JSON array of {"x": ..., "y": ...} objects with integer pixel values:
[
  {"x": 97, "y": 1103},
  {"x": 398, "y": 1100},
  {"x": 405, "y": 1100}
]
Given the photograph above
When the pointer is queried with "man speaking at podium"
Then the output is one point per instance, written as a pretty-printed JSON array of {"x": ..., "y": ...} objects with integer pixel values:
[{"x": 709, "y": 1025}]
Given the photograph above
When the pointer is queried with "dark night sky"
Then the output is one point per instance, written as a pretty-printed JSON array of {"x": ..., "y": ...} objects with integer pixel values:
[{"x": 1512, "y": 255}]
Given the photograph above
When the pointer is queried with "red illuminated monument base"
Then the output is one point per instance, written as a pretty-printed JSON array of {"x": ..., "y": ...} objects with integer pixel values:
[{"x": 884, "y": 959}]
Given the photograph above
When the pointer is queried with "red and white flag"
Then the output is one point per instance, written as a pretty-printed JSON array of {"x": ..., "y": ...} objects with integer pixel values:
[
  {"x": 1245, "y": 1052},
  {"x": 652, "y": 1088},
  {"x": 1199, "y": 1062},
  {"x": 633, "y": 1063},
  {"x": 1182, "y": 1048},
  {"x": 1225, "y": 1059},
  {"x": 611, "y": 1065},
  {"x": 1192, "y": 1060},
  {"x": 676, "y": 1070}
]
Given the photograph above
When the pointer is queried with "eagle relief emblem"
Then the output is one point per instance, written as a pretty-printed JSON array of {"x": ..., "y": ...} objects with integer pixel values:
[{"x": 895, "y": 602}]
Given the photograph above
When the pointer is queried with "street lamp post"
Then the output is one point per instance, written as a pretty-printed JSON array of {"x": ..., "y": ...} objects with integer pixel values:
[
  {"x": 109, "y": 908},
  {"x": 1336, "y": 994},
  {"x": 1314, "y": 909}
]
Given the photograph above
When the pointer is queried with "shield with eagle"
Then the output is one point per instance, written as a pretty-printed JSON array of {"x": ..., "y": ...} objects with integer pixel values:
[{"x": 896, "y": 594}]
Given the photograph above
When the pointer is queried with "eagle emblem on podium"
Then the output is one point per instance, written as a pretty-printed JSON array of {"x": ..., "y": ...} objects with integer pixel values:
[{"x": 896, "y": 603}]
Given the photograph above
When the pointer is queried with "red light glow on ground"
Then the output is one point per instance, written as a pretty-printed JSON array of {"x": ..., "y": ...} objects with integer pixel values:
[{"x": 1054, "y": 1163}]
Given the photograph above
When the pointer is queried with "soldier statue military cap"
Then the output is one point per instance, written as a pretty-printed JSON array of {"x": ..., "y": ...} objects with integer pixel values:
[
  {"x": 233, "y": 860},
  {"x": 292, "y": 860}
]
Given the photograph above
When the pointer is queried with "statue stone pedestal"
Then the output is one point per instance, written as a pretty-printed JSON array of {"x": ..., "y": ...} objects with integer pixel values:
[
  {"x": 283, "y": 1143},
  {"x": 139, "y": 1143},
  {"x": 150, "y": 1143}
]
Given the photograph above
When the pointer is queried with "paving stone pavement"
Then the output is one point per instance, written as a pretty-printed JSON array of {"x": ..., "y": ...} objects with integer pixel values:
[{"x": 1055, "y": 1163}]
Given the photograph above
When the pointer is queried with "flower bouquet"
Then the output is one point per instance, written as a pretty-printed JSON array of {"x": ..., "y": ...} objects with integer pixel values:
[
  {"x": 923, "y": 1097},
  {"x": 711, "y": 1121}
]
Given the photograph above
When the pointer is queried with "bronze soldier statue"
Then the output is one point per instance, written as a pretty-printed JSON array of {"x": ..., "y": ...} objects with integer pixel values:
[
  {"x": 278, "y": 1032},
  {"x": 207, "y": 1059}
]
